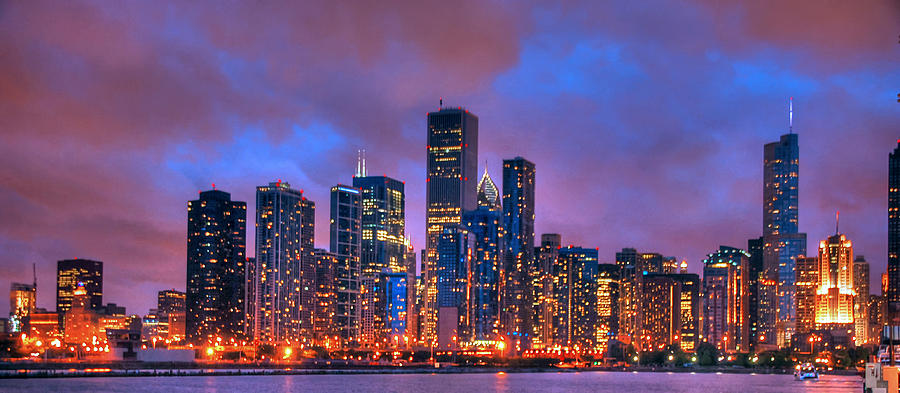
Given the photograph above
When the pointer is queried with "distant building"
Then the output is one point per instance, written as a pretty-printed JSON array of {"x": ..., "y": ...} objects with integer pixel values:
[
  {"x": 284, "y": 282},
  {"x": 485, "y": 269},
  {"x": 607, "y": 325},
  {"x": 756, "y": 272},
  {"x": 878, "y": 309},
  {"x": 172, "y": 310},
  {"x": 725, "y": 288},
  {"x": 383, "y": 204},
  {"x": 519, "y": 265},
  {"x": 807, "y": 283},
  {"x": 893, "y": 265},
  {"x": 324, "y": 315},
  {"x": 659, "y": 316},
  {"x": 861, "y": 300},
  {"x": 581, "y": 301},
  {"x": 392, "y": 301},
  {"x": 544, "y": 304},
  {"x": 835, "y": 296},
  {"x": 451, "y": 170},
  {"x": 69, "y": 272},
  {"x": 22, "y": 299},
  {"x": 216, "y": 256},
  {"x": 82, "y": 323},
  {"x": 345, "y": 245},
  {"x": 450, "y": 273}
]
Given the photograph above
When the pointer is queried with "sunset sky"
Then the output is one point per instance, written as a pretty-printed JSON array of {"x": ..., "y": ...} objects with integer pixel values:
[{"x": 646, "y": 122}]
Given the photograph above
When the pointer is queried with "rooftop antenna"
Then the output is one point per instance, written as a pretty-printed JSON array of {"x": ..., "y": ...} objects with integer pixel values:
[
  {"x": 441, "y": 103},
  {"x": 364, "y": 172},
  {"x": 34, "y": 274},
  {"x": 791, "y": 117},
  {"x": 837, "y": 221}
]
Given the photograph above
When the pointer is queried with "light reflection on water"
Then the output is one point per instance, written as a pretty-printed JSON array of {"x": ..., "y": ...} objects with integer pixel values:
[{"x": 469, "y": 383}]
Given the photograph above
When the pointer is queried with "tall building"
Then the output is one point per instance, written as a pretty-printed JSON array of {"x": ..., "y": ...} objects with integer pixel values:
[
  {"x": 284, "y": 282},
  {"x": 725, "y": 289},
  {"x": 69, "y": 272},
  {"x": 22, "y": 299},
  {"x": 627, "y": 260},
  {"x": 607, "y": 325},
  {"x": 323, "y": 315},
  {"x": 452, "y": 165},
  {"x": 893, "y": 266},
  {"x": 383, "y": 203},
  {"x": 81, "y": 322},
  {"x": 485, "y": 269},
  {"x": 216, "y": 270},
  {"x": 807, "y": 283},
  {"x": 392, "y": 302},
  {"x": 519, "y": 266},
  {"x": 581, "y": 300},
  {"x": 877, "y": 316},
  {"x": 755, "y": 264},
  {"x": 171, "y": 306},
  {"x": 782, "y": 241},
  {"x": 835, "y": 295},
  {"x": 543, "y": 304},
  {"x": 453, "y": 256},
  {"x": 345, "y": 245},
  {"x": 659, "y": 312},
  {"x": 690, "y": 308},
  {"x": 861, "y": 300}
]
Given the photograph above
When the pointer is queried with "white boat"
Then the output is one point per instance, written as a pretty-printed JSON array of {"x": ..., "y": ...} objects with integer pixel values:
[{"x": 806, "y": 371}]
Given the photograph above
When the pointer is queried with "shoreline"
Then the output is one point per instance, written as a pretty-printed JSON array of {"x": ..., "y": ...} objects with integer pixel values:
[{"x": 104, "y": 370}]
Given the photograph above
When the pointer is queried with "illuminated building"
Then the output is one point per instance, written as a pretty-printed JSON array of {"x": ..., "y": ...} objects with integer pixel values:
[
  {"x": 323, "y": 319},
  {"x": 807, "y": 283},
  {"x": 755, "y": 266},
  {"x": 861, "y": 300},
  {"x": 835, "y": 295},
  {"x": 172, "y": 310},
  {"x": 82, "y": 323},
  {"x": 877, "y": 308},
  {"x": 368, "y": 296},
  {"x": 69, "y": 273},
  {"x": 690, "y": 307},
  {"x": 627, "y": 262},
  {"x": 893, "y": 265},
  {"x": 284, "y": 276},
  {"x": 345, "y": 245},
  {"x": 216, "y": 256},
  {"x": 412, "y": 309},
  {"x": 22, "y": 298},
  {"x": 725, "y": 289},
  {"x": 607, "y": 325},
  {"x": 452, "y": 166},
  {"x": 544, "y": 302},
  {"x": 580, "y": 302},
  {"x": 659, "y": 312},
  {"x": 484, "y": 272},
  {"x": 382, "y": 223},
  {"x": 392, "y": 301},
  {"x": 454, "y": 248},
  {"x": 782, "y": 242},
  {"x": 44, "y": 325},
  {"x": 519, "y": 264}
]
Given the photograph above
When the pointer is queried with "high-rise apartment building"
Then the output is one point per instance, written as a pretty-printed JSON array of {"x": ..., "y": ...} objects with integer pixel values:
[
  {"x": 216, "y": 270},
  {"x": 346, "y": 212},
  {"x": 607, "y": 325},
  {"x": 580, "y": 301},
  {"x": 861, "y": 300},
  {"x": 725, "y": 288},
  {"x": 519, "y": 266},
  {"x": 807, "y": 283},
  {"x": 544, "y": 304},
  {"x": 893, "y": 266},
  {"x": 382, "y": 223}
]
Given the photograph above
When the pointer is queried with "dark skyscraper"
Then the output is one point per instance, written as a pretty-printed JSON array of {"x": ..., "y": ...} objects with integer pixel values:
[
  {"x": 893, "y": 268},
  {"x": 454, "y": 247},
  {"x": 285, "y": 268},
  {"x": 451, "y": 165},
  {"x": 216, "y": 256},
  {"x": 783, "y": 242},
  {"x": 382, "y": 222},
  {"x": 345, "y": 245},
  {"x": 519, "y": 264},
  {"x": 755, "y": 269},
  {"x": 69, "y": 273}
]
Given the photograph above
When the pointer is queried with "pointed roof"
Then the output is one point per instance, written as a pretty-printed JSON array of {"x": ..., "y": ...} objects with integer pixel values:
[{"x": 488, "y": 193}]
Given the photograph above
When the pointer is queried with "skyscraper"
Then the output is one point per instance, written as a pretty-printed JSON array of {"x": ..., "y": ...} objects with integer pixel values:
[
  {"x": 755, "y": 264},
  {"x": 486, "y": 231},
  {"x": 216, "y": 247},
  {"x": 345, "y": 245},
  {"x": 807, "y": 283},
  {"x": 452, "y": 165},
  {"x": 323, "y": 319},
  {"x": 834, "y": 297},
  {"x": 725, "y": 287},
  {"x": 22, "y": 299},
  {"x": 861, "y": 300},
  {"x": 382, "y": 223},
  {"x": 519, "y": 265},
  {"x": 690, "y": 307},
  {"x": 285, "y": 264},
  {"x": 69, "y": 273},
  {"x": 783, "y": 242},
  {"x": 659, "y": 312},
  {"x": 543, "y": 304},
  {"x": 581, "y": 300},
  {"x": 893, "y": 268},
  {"x": 607, "y": 325},
  {"x": 453, "y": 252}
]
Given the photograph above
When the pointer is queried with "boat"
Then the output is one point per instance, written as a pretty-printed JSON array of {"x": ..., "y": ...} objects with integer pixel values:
[{"x": 806, "y": 371}]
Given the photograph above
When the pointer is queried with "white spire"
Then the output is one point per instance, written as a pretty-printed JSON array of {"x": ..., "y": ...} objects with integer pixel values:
[
  {"x": 791, "y": 117},
  {"x": 361, "y": 163}
]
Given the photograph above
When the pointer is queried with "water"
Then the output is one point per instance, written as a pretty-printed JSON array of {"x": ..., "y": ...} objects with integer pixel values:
[{"x": 468, "y": 383}]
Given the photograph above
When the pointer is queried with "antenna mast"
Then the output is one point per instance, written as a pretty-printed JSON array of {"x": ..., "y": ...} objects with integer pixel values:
[{"x": 791, "y": 117}]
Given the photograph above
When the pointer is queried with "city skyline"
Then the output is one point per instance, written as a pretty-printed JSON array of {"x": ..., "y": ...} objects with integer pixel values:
[{"x": 655, "y": 171}]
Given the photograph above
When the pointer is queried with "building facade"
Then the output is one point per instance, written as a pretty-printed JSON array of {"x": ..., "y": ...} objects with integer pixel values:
[
  {"x": 893, "y": 266},
  {"x": 807, "y": 283},
  {"x": 382, "y": 223},
  {"x": 346, "y": 213},
  {"x": 519, "y": 265},
  {"x": 69, "y": 272},
  {"x": 485, "y": 269},
  {"x": 861, "y": 300},
  {"x": 835, "y": 294},
  {"x": 725, "y": 292}
]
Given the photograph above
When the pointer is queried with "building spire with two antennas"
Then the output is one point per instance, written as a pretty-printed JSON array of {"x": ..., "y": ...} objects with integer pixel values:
[{"x": 361, "y": 163}]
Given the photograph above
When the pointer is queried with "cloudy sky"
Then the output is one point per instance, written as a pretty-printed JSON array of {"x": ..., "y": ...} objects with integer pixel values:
[{"x": 646, "y": 122}]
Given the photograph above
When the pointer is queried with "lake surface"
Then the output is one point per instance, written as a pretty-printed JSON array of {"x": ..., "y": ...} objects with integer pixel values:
[{"x": 469, "y": 383}]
